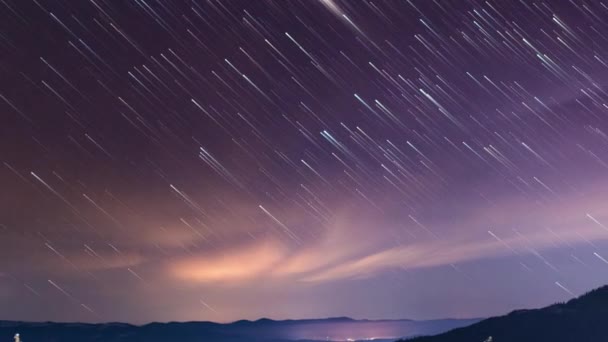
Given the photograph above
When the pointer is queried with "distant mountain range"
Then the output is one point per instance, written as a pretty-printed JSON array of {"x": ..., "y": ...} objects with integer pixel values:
[
  {"x": 263, "y": 330},
  {"x": 583, "y": 319}
]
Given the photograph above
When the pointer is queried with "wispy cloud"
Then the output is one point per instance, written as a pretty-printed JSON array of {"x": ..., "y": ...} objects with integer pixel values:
[{"x": 347, "y": 249}]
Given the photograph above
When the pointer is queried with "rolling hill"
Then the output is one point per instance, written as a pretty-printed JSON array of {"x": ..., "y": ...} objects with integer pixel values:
[{"x": 581, "y": 319}]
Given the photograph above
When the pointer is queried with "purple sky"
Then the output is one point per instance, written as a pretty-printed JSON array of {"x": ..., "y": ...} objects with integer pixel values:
[{"x": 224, "y": 160}]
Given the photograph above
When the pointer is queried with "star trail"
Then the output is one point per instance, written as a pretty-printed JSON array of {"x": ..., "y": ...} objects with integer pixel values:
[{"x": 219, "y": 160}]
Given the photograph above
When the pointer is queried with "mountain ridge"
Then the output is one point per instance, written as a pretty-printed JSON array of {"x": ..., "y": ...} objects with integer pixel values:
[
  {"x": 584, "y": 318},
  {"x": 261, "y": 330},
  {"x": 259, "y": 320}
]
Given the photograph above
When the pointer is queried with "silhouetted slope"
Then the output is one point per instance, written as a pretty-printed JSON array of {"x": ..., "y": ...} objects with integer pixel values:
[
  {"x": 262, "y": 330},
  {"x": 579, "y": 320}
]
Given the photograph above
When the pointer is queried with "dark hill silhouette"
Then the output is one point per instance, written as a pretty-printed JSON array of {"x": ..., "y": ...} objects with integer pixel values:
[
  {"x": 262, "y": 330},
  {"x": 582, "y": 319}
]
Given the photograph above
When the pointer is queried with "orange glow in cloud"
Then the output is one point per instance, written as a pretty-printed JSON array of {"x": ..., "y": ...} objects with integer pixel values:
[{"x": 234, "y": 265}]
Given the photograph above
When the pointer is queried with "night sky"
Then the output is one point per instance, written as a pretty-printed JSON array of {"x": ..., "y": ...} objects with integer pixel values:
[{"x": 224, "y": 160}]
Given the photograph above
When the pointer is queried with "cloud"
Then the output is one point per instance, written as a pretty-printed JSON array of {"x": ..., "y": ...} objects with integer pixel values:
[
  {"x": 356, "y": 247},
  {"x": 347, "y": 238},
  {"x": 230, "y": 265},
  {"x": 510, "y": 227},
  {"x": 439, "y": 253}
]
